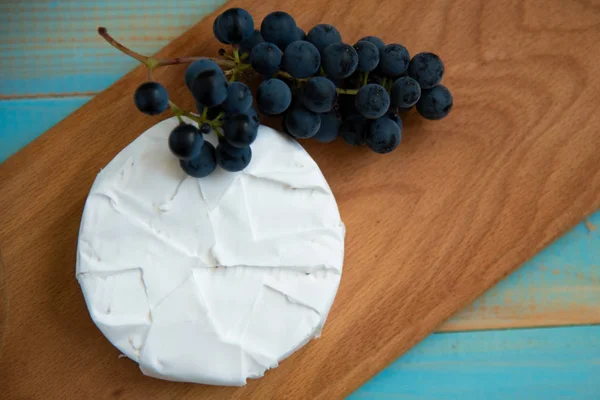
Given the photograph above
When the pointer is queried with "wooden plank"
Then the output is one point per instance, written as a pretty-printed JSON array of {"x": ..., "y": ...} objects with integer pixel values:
[
  {"x": 555, "y": 288},
  {"x": 396, "y": 316},
  {"x": 559, "y": 286},
  {"x": 532, "y": 364},
  {"x": 454, "y": 361}
]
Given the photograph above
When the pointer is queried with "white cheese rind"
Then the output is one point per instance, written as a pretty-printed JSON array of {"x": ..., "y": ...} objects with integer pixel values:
[{"x": 211, "y": 280}]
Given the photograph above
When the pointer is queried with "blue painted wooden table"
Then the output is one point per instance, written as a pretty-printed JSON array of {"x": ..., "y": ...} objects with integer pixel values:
[{"x": 533, "y": 336}]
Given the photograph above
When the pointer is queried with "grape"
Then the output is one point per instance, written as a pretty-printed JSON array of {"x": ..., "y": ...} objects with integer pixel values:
[
  {"x": 239, "y": 98},
  {"x": 376, "y": 41},
  {"x": 300, "y": 34},
  {"x": 383, "y": 135},
  {"x": 405, "y": 92},
  {"x": 209, "y": 88},
  {"x": 212, "y": 112},
  {"x": 435, "y": 103},
  {"x": 330, "y": 127},
  {"x": 248, "y": 44},
  {"x": 394, "y": 60},
  {"x": 231, "y": 158},
  {"x": 319, "y": 94},
  {"x": 301, "y": 59},
  {"x": 339, "y": 60},
  {"x": 372, "y": 101},
  {"x": 198, "y": 66},
  {"x": 220, "y": 37},
  {"x": 273, "y": 96},
  {"x": 427, "y": 69},
  {"x": 280, "y": 28},
  {"x": 253, "y": 115},
  {"x": 234, "y": 25},
  {"x": 205, "y": 128},
  {"x": 185, "y": 141},
  {"x": 396, "y": 118},
  {"x": 405, "y": 109},
  {"x": 323, "y": 35},
  {"x": 241, "y": 129},
  {"x": 353, "y": 129},
  {"x": 368, "y": 55},
  {"x": 302, "y": 123},
  {"x": 202, "y": 165},
  {"x": 265, "y": 58},
  {"x": 151, "y": 98},
  {"x": 285, "y": 129}
]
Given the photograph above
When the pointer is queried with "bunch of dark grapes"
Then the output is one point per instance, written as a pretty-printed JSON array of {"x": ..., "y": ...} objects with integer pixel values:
[{"x": 322, "y": 87}]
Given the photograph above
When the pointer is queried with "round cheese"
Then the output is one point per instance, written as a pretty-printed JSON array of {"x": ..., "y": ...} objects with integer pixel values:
[{"x": 211, "y": 280}]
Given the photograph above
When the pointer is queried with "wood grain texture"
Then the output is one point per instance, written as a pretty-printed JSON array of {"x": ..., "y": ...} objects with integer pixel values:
[
  {"x": 469, "y": 200},
  {"x": 558, "y": 287}
]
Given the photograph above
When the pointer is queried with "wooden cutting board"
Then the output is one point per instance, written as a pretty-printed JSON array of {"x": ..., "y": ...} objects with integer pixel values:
[{"x": 458, "y": 206}]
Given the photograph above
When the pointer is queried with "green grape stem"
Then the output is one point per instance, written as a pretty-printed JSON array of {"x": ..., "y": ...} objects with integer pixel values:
[
  {"x": 365, "y": 78},
  {"x": 178, "y": 111},
  {"x": 153, "y": 63},
  {"x": 352, "y": 92},
  {"x": 102, "y": 31},
  {"x": 233, "y": 66},
  {"x": 236, "y": 55},
  {"x": 387, "y": 84},
  {"x": 199, "y": 119},
  {"x": 188, "y": 60},
  {"x": 218, "y": 118},
  {"x": 285, "y": 75}
]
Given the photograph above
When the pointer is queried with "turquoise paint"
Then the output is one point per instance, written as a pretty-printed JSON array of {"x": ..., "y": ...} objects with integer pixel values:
[
  {"x": 21, "y": 121},
  {"x": 35, "y": 6},
  {"x": 54, "y": 48},
  {"x": 527, "y": 364},
  {"x": 83, "y": 83}
]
